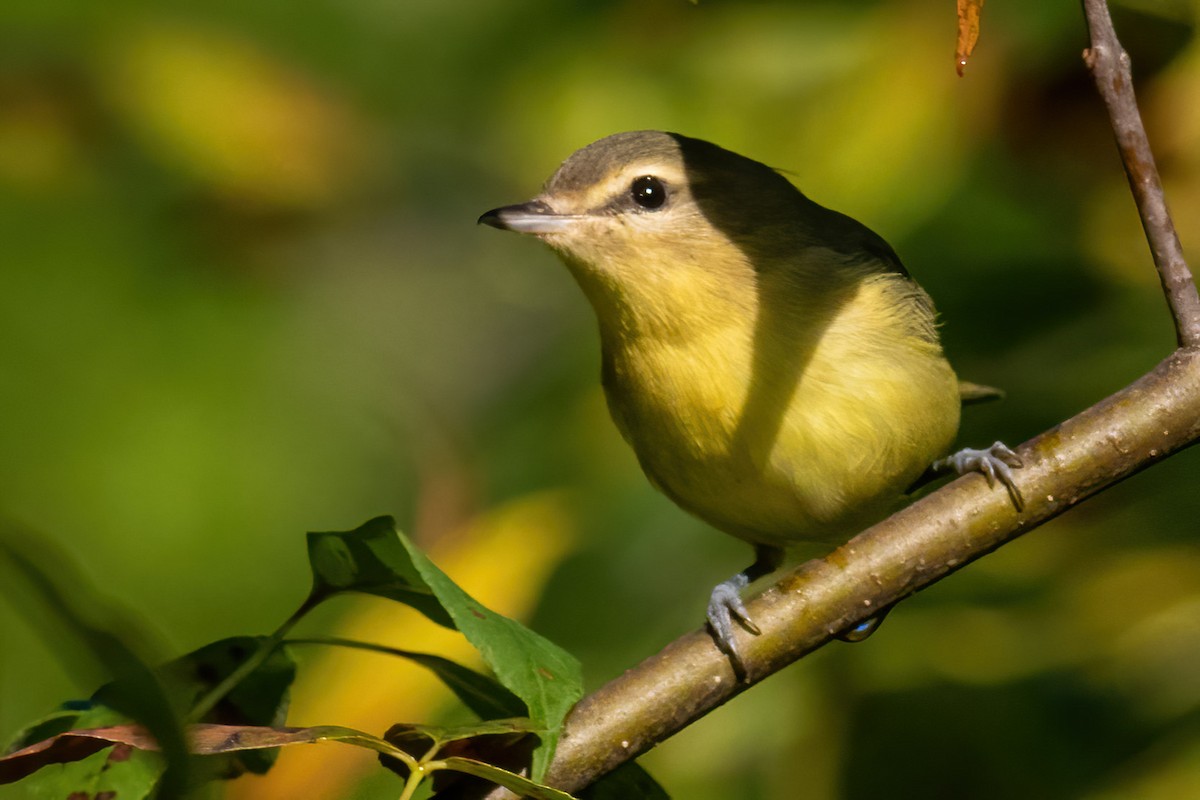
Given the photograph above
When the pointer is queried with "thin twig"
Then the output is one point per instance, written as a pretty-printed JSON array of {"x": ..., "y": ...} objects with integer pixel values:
[
  {"x": 1109, "y": 64},
  {"x": 255, "y": 660}
]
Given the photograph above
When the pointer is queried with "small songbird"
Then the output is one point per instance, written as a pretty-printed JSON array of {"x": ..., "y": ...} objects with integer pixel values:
[{"x": 773, "y": 365}]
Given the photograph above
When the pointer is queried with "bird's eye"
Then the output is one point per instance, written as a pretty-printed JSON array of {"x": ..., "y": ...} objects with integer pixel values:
[{"x": 648, "y": 192}]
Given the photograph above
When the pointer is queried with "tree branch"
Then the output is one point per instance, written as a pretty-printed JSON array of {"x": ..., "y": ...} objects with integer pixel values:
[
  {"x": 1109, "y": 64},
  {"x": 939, "y": 534}
]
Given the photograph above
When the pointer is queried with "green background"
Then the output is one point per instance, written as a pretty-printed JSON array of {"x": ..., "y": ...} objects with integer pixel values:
[{"x": 243, "y": 296}]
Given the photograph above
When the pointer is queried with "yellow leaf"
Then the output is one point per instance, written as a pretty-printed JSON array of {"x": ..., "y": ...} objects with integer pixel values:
[{"x": 249, "y": 126}]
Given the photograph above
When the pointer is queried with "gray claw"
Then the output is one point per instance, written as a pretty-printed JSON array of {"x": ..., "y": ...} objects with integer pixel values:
[
  {"x": 724, "y": 606},
  {"x": 995, "y": 462}
]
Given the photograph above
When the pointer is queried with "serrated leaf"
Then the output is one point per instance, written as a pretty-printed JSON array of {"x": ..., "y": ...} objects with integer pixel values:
[
  {"x": 509, "y": 780},
  {"x": 370, "y": 560}
]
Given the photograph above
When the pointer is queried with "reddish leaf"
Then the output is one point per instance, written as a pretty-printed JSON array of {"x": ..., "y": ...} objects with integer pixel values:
[
  {"x": 70, "y": 746},
  {"x": 202, "y": 740}
]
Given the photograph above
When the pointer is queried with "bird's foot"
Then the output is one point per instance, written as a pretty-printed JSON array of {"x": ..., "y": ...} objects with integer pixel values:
[
  {"x": 995, "y": 463},
  {"x": 724, "y": 606}
]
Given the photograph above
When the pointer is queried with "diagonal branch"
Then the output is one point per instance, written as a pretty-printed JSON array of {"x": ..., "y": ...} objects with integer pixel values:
[
  {"x": 1127, "y": 432},
  {"x": 1109, "y": 64},
  {"x": 1119, "y": 436}
]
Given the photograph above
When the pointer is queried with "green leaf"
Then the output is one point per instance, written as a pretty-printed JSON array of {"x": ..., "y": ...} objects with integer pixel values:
[
  {"x": 55, "y": 586},
  {"x": 546, "y": 677},
  {"x": 116, "y": 771},
  {"x": 67, "y": 764},
  {"x": 436, "y": 735},
  {"x": 482, "y": 694},
  {"x": 505, "y": 744},
  {"x": 509, "y": 780},
  {"x": 378, "y": 559},
  {"x": 370, "y": 560},
  {"x": 50, "y": 725},
  {"x": 627, "y": 781},
  {"x": 261, "y": 698}
]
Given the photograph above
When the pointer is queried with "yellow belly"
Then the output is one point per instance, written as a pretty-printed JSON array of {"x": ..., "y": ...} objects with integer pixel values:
[{"x": 802, "y": 435}]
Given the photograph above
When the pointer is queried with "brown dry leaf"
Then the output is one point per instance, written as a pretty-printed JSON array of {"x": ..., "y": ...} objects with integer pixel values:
[
  {"x": 62, "y": 749},
  {"x": 203, "y": 739},
  {"x": 968, "y": 32}
]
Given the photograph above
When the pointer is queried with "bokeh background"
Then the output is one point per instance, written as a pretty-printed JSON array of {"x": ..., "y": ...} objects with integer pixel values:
[{"x": 243, "y": 296}]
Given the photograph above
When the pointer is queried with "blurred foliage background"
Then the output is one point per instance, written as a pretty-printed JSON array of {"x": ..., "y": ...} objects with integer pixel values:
[{"x": 242, "y": 296}]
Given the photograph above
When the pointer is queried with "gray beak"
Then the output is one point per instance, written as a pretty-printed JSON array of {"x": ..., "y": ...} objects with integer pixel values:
[{"x": 532, "y": 217}]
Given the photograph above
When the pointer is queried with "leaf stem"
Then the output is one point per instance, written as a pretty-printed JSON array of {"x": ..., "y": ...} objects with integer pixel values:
[
  {"x": 252, "y": 662},
  {"x": 354, "y": 644},
  {"x": 415, "y": 777}
]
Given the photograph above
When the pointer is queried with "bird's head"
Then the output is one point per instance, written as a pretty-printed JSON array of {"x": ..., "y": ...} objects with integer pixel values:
[
  {"x": 651, "y": 221},
  {"x": 649, "y": 195}
]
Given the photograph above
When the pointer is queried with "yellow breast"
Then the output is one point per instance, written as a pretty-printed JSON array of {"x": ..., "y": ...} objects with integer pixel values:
[{"x": 799, "y": 421}]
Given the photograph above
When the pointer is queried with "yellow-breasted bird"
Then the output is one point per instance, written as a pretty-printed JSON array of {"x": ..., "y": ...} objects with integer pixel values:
[{"x": 771, "y": 362}]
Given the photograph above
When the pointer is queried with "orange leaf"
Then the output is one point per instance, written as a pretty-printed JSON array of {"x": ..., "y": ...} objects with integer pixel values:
[{"x": 968, "y": 31}]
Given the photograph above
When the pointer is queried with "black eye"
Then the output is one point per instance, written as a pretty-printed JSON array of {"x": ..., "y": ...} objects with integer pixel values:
[{"x": 648, "y": 192}]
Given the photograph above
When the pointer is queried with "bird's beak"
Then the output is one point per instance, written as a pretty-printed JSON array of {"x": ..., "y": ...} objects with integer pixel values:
[{"x": 532, "y": 217}]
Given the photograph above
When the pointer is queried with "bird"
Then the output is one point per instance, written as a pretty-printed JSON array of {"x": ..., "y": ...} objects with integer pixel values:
[{"x": 775, "y": 368}]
